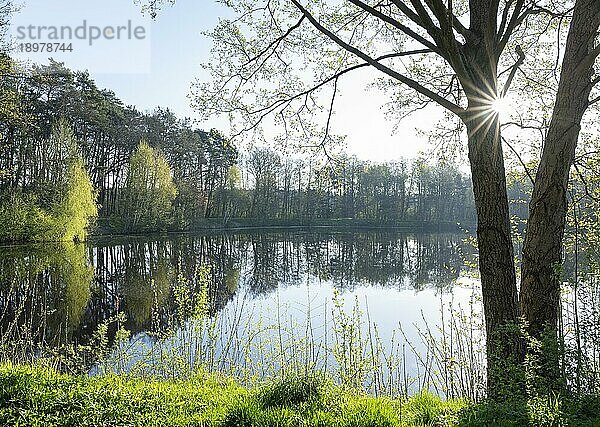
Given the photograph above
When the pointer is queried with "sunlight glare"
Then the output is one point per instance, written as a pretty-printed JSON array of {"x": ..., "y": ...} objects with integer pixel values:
[{"x": 503, "y": 107}]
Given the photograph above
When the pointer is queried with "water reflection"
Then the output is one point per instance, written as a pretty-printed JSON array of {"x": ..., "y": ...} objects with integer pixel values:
[
  {"x": 58, "y": 294},
  {"x": 45, "y": 292}
]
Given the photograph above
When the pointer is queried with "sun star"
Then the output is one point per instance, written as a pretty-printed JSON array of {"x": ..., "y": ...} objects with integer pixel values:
[{"x": 503, "y": 107}]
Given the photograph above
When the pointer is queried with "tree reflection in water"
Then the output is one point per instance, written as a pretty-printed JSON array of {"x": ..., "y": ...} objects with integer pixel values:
[{"x": 59, "y": 294}]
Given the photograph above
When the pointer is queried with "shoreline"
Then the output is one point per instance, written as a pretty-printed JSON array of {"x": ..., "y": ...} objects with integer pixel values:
[{"x": 214, "y": 226}]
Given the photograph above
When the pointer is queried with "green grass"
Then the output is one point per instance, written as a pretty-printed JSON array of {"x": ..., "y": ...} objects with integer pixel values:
[{"x": 41, "y": 397}]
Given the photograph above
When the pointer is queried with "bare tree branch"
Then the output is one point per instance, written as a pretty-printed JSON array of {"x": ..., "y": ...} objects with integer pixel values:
[
  {"x": 456, "y": 24},
  {"x": 516, "y": 18},
  {"x": 513, "y": 71},
  {"x": 410, "y": 14},
  {"x": 273, "y": 45},
  {"x": 586, "y": 190},
  {"x": 284, "y": 103},
  {"x": 518, "y": 156},
  {"x": 381, "y": 67},
  {"x": 428, "y": 23},
  {"x": 396, "y": 24}
]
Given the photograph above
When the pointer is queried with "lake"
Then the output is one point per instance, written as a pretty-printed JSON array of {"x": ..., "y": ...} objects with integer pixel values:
[{"x": 255, "y": 302}]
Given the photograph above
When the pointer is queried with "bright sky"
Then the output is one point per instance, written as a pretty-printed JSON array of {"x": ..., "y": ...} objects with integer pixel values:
[{"x": 160, "y": 69}]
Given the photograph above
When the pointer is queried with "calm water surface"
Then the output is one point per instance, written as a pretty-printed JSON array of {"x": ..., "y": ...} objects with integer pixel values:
[{"x": 60, "y": 294}]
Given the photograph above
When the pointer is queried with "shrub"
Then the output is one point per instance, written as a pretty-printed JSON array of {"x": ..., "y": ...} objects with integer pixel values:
[
  {"x": 426, "y": 409},
  {"x": 293, "y": 390},
  {"x": 21, "y": 219}
]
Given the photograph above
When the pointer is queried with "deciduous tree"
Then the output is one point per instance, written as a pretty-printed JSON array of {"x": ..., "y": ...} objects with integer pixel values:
[
  {"x": 275, "y": 58},
  {"x": 150, "y": 190}
]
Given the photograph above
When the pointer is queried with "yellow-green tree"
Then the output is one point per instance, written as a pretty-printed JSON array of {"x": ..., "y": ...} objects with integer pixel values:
[
  {"x": 150, "y": 190},
  {"x": 73, "y": 199},
  {"x": 77, "y": 208},
  {"x": 61, "y": 204}
]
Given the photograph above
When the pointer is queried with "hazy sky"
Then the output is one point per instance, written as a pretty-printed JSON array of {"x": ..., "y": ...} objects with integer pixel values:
[{"x": 160, "y": 70}]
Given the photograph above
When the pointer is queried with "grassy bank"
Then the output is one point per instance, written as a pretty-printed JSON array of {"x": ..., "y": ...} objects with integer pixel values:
[{"x": 42, "y": 397}]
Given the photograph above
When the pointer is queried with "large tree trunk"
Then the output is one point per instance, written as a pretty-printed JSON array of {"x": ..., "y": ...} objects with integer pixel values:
[
  {"x": 542, "y": 251},
  {"x": 496, "y": 260},
  {"x": 496, "y": 254}
]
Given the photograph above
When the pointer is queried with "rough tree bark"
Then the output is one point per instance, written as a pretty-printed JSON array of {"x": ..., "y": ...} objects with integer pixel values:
[
  {"x": 477, "y": 73},
  {"x": 542, "y": 251},
  {"x": 496, "y": 260}
]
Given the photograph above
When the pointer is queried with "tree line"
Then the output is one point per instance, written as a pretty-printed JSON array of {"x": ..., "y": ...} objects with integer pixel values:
[
  {"x": 347, "y": 187},
  {"x": 151, "y": 171}
]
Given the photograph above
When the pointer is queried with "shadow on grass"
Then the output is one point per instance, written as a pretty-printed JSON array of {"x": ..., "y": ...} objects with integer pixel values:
[{"x": 546, "y": 411}]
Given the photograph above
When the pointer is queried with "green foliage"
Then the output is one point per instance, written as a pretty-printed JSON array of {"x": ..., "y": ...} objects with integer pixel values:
[
  {"x": 61, "y": 204},
  {"x": 22, "y": 219},
  {"x": 40, "y": 396},
  {"x": 293, "y": 390},
  {"x": 77, "y": 208},
  {"x": 350, "y": 347},
  {"x": 150, "y": 190},
  {"x": 546, "y": 411},
  {"x": 426, "y": 409}
]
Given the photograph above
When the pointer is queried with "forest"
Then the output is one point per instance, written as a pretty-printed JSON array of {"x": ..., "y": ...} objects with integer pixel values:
[{"x": 155, "y": 172}]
